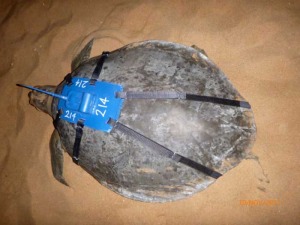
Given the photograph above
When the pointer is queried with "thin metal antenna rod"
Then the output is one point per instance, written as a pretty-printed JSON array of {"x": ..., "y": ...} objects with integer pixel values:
[{"x": 45, "y": 92}]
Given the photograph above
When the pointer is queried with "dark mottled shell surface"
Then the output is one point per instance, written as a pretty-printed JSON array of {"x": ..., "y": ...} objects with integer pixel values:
[{"x": 216, "y": 136}]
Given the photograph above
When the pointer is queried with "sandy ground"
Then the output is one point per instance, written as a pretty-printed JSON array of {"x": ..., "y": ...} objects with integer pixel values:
[{"x": 256, "y": 43}]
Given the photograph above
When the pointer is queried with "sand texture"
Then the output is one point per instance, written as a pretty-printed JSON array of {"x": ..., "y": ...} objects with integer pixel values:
[{"x": 256, "y": 44}]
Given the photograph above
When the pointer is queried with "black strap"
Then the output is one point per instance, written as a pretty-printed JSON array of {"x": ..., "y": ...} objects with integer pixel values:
[
  {"x": 76, "y": 147},
  {"x": 163, "y": 150},
  {"x": 98, "y": 68},
  {"x": 56, "y": 120},
  {"x": 68, "y": 78},
  {"x": 180, "y": 95},
  {"x": 78, "y": 136},
  {"x": 199, "y": 167},
  {"x": 222, "y": 101},
  {"x": 150, "y": 95}
]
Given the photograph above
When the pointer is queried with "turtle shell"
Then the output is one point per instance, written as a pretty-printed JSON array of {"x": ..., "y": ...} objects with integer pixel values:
[{"x": 217, "y": 136}]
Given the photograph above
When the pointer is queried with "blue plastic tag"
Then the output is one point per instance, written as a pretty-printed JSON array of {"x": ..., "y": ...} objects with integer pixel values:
[{"x": 95, "y": 104}]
